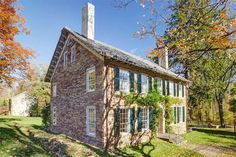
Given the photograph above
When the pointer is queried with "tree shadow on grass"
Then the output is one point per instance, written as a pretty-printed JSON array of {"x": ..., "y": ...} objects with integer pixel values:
[
  {"x": 37, "y": 127},
  {"x": 216, "y": 132},
  {"x": 7, "y": 120},
  {"x": 141, "y": 149},
  {"x": 97, "y": 150},
  {"x": 17, "y": 142}
]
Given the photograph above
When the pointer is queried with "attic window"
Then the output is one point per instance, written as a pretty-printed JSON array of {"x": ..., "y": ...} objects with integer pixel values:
[
  {"x": 73, "y": 54},
  {"x": 66, "y": 58}
]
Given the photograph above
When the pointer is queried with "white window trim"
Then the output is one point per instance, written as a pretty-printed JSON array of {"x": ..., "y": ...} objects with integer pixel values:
[
  {"x": 65, "y": 58},
  {"x": 171, "y": 88},
  {"x": 142, "y": 92},
  {"x": 180, "y": 90},
  {"x": 54, "y": 89},
  {"x": 88, "y": 71},
  {"x": 93, "y": 134},
  {"x": 73, "y": 54},
  {"x": 128, "y": 129},
  {"x": 54, "y": 115},
  {"x": 145, "y": 129},
  {"x": 181, "y": 114},
  {"x": 128, "y": 88}
]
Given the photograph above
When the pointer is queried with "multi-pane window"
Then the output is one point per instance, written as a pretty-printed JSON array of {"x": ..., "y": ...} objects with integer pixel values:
[
  {"x": 54, "y": 90},
  {"x": 90, "y": 79},
  {"x": 144, "y": 84},
  {"x": 179, "y": 114},
  {"x": 171, "y": 88},
  {"x": 180, "y": 90},
  {"x": 73, "y": 53},
  {"x": 91, "y": 120},
  {"x": 124, "y": 120},
  {"x": 54, "y": 115},
  {"x": 145, "y": 119},
  {"x": 124, "y": 81}
]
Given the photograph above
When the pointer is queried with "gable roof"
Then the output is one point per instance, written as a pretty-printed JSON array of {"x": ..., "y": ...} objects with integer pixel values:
[{"x": 107, "y": 51}]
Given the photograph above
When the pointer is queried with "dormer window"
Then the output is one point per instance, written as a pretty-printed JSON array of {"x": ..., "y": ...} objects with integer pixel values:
[{"x": 73, "y": 54}]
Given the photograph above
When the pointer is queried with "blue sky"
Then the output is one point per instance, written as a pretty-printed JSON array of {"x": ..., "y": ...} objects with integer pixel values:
[{"x": 46, "y": 18}]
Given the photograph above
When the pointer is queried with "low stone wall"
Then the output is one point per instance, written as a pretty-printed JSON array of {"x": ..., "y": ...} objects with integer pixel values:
[
  {"x": 56, "y": 148},
  {"x": 63, "y": 146}
]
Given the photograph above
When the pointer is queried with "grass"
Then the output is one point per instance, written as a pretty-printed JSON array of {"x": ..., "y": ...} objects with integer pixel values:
[
  {"x": 14, "y": 142},
  {"x": 159, "y": 148},
  {"x": 211, "y": 136}
]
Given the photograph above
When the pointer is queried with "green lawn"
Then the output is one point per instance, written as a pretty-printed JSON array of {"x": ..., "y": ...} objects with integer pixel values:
[
  {"x": 215, "y": 137},
  {"x": 160, "y": 148},
  {"x": 14, "y": 142}
]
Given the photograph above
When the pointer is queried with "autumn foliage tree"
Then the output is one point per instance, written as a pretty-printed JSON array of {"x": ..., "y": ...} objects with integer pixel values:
[
  {"x": 199, "y": 34},
  {"x": 14, "y": 59}
]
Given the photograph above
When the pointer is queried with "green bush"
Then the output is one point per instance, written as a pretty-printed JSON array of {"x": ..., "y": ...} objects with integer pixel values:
[{"x": 46, "y": 116}]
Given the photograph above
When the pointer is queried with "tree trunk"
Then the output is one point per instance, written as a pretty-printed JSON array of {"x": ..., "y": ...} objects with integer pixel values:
[{"x": 219, "y": 99}]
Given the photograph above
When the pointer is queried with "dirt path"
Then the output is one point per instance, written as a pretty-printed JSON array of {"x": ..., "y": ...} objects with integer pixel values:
[{"x": 212, "y": 151}]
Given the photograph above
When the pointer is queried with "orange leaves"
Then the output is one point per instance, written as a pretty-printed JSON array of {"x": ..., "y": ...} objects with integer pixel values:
[{"x": 14, "y": 59}]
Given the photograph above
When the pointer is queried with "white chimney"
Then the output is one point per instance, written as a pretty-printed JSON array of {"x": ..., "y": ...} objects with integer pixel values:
[{"x": 88, "y": 21}]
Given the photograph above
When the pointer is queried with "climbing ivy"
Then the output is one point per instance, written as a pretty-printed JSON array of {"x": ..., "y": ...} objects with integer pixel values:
[
  {"x": 168, "y": 102},
  {"x": 153, "y": 99}
]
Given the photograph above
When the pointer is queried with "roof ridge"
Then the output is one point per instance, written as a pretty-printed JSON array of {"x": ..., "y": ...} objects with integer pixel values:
[{"x": 109, "y": 50}]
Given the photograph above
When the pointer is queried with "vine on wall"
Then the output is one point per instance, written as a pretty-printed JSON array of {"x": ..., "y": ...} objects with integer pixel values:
[
  {"x": 168, "y": 102},
  {"x": 153, "y": 99}
]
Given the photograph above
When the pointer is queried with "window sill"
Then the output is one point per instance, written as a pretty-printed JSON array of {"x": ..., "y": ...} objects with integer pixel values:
[
  {"x": 146, "y": 129},
  {"x": 91, "y": 134},
  {"x": 124, "y": 133},
  {"x": 88, "y": 91}
]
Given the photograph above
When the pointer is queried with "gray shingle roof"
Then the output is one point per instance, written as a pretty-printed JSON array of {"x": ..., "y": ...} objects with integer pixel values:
[{"x": 106, "y": 50}]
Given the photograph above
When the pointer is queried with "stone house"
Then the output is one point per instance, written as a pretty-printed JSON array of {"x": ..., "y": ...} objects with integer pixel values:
[{"x": 86, "y": 78}]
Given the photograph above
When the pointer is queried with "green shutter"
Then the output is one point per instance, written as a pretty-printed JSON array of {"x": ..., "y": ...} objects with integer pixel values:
[
  {"x": 149, "y": 84},
  {"x": 168, "y": 87},
  {"x": 150, "y": 117},
  {"x": 175, "y": 115},
  {"x": 139, "y": 119},
  {"x": 163, "y": 87},
  {"x": 139, "y": 83},
  {"x": 117, "y": 121},
  {"x": 178, "y": 114},
  {"x": 177, "y": 90},
  {"x": 155, "y": 83},
  {"x": 117, "y": 79},
  {"x": 131, "y": 78},
  {"x": 132, "y": 123},
  {"x": 174, "y": 89},
  {"x": 182, "y": 90},
  {"x": 183, "y": 114}
]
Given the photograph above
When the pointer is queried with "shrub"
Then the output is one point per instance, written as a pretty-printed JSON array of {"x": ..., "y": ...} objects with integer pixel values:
[{"x": 46, "y": 116}]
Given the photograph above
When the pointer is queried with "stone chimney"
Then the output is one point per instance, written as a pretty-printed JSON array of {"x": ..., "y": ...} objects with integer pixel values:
[
  {"x": 163, "y": 59},
  {"x": 88, "y": 21}
]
